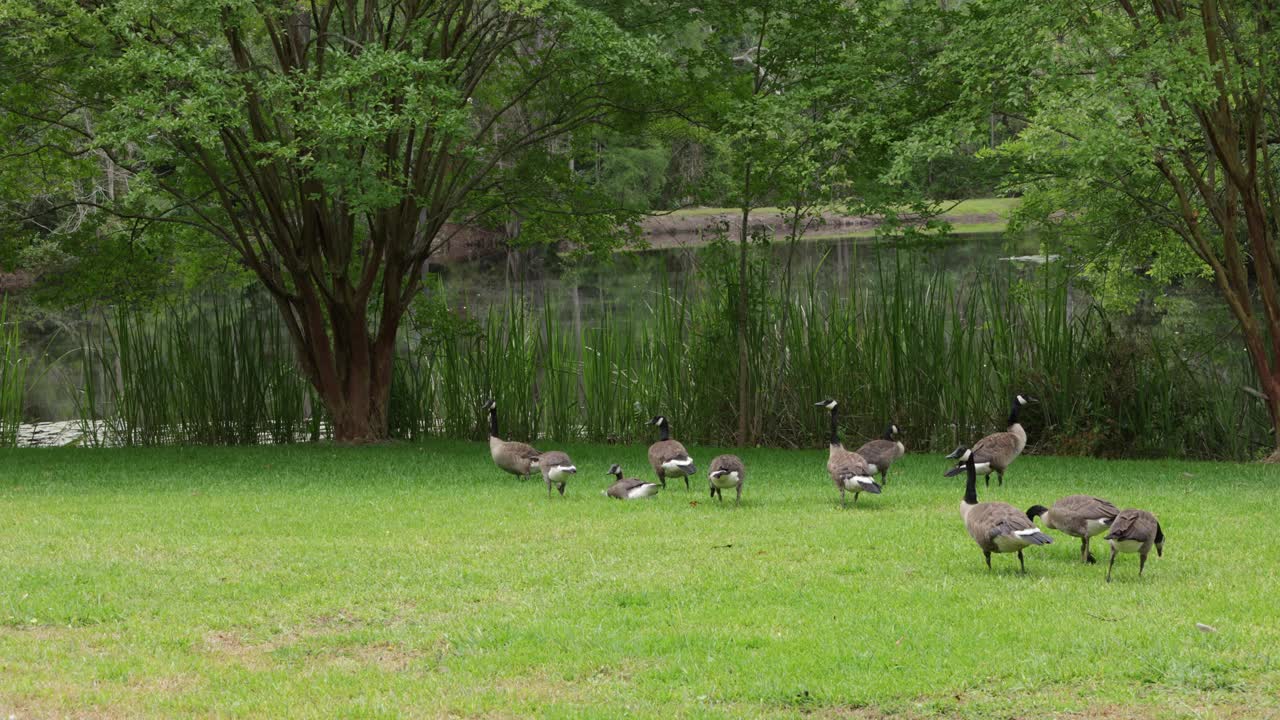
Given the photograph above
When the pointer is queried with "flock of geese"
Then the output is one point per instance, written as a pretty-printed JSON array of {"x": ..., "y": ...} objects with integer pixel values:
[{"x": 996, "y": 527}]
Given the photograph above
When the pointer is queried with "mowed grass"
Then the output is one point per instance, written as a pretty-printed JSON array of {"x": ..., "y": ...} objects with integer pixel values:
[{"x": 417, "y": 580}]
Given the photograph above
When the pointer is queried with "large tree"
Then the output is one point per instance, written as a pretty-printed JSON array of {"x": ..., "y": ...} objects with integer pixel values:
[
  {"x": 1143, "y": 134},
  {"x": 332, "y": 145}
]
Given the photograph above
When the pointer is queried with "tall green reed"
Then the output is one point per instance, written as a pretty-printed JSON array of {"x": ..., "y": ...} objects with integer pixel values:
[
  {"x": 939, "y": 353},
  {"x": 13, "y": 378},
  {"x": 209, "y": 373}
]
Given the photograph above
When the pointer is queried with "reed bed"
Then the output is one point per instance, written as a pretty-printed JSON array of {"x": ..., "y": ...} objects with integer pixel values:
[
  {"x": 212, "y": 373},
  {"x": 938, "y": 353},
  {"x": 13, "y": 378}
]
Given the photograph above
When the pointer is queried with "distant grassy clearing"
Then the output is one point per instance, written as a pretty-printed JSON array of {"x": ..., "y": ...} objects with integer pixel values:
[
  {"x": 977, "y": 206},
  {"x": 417, "y": 579}
]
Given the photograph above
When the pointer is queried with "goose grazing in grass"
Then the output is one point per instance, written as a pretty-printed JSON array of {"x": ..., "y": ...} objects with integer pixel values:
[
  {"x": 1081, "y": 516},
  {"x": 556, "y": 469},
  {"x": 849, "y": 470},
  {"x": 727, "y": 472},
  {"x": 997, "y": 451},
  {"x": 996, "y": 527},
  {"x": 668, "y": 457},
  {"x": 1135, "y": 531},
  {"x": 631, "y": 488},
  {"x": 881, "y": 453},
  {"x": 513, "y": 457}
]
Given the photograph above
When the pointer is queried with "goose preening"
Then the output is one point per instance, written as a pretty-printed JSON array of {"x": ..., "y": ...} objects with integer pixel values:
[
  {"x": 997, "y": 451},
  {"x": 1135, "y": 531},
  {"x": 849, "y": 470},
  {"x": 1081, "y": 516},
  {"x": 881, "y": 453},
  {"x": 631, "y": 488},
  {"x": 996, "y": 527},
  {"x": 513, "y": 457},
  {"x": 556, "y": 469},
  {"x": 727, "y": 471},
  {"x": 668, "y": 457}
]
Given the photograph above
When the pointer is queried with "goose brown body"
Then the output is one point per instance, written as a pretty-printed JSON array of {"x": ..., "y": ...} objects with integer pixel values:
[
  {"x": 996, "y": 527},
  {"x": 668, "y": 457},
  {"x": 629, "y": 488},
  {"x": 1135, "y": 531},
  {"x": 997, "y": 451},
  {"x": 849, "y": 471},
  {"x": 1081, "y": 516},
  {"x": 556, "y": 468},
  {"x": 882, "y": 452},
  {"x": 727, "y": 471},
  {"x": 516, "y": 458}
]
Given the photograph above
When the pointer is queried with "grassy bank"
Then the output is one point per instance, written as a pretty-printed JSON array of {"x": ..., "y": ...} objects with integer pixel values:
[
  {"x": 962, "y": 214},
  {"x": 417, "y": 580}
]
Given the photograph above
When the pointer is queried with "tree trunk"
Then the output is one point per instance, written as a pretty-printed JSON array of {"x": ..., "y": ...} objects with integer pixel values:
[
  {"x": 744, "y": 380},
  {"x": 349, "y": 365}
]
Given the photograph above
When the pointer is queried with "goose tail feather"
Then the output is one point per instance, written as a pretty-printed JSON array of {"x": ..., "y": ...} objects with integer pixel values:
[{"x": 1034, "y": 536}]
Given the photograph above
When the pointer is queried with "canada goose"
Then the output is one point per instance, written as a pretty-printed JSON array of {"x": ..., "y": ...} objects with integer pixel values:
[
  {"x": 1135, "y": 531},
  {"x": 668, "y": 457},
  {"x": 996, "y": 527},
  {"x": 881, "y": 453},
  {"x": 556, "y": 468},
  {"x": 997, "y": 450},
  {"x": 631, "y": 488},
  {"x": 727, "y": 471},
  {"x": 849, "y": 470},
  {"x": 1081, "y": 516},
  {"x": 514, "y": 457}
]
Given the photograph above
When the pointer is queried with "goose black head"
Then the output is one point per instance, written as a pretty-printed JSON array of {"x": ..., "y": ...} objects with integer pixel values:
[
  {"x": 1159, "y": 541},
  {"x": 615, "y": 470},
  {"x": 491, "y": 406},
  {"x": 890, "y": 432},
  {"x": 957, "y": 453},
  {"x": 658, "y": 420},
  {"x": 1036, "y": 511},
  {"x": 828, "y": 404}
]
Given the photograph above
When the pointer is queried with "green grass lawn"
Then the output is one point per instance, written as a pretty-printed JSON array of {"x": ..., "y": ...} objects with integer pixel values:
[{"x": 417, "y": 580}]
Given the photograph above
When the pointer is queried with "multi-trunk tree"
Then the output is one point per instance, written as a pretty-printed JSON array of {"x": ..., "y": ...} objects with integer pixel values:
[
  {"x": 1143, "y": 134},
  {"x": 333, "y": 146}
]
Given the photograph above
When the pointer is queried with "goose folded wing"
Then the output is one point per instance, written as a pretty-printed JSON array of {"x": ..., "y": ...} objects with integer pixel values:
[
  {"x": 1017, "y": 525},
  {"x": 1128, "y": 525}
]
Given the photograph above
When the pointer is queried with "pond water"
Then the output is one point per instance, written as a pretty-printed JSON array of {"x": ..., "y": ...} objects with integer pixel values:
[{"x": 624, "y": 279}]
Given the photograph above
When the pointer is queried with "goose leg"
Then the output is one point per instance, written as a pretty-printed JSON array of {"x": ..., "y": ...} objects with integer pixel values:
[
  {"x": 884, "y": 478},
  {"x": 855, "y": 498},
  {"x": 1001, "y": 473},
  {"x": 662, "y": 479},
  {"x": 1112, "y": 563},
  {"x": 548, "y": 488},
  {"x": 560, "y": 487},
  {"x": 987, "y": 479},
  {"x": 987, "y": 554},
  {"x": 738, "y": 501},
  {"x": 1022, "y": 563},
  {"x": 841, "y": 497},
  {"x": 1142, "y": 563},
  {"x": 686, "y": 483},
  {"x": 713, "y": 490}
]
